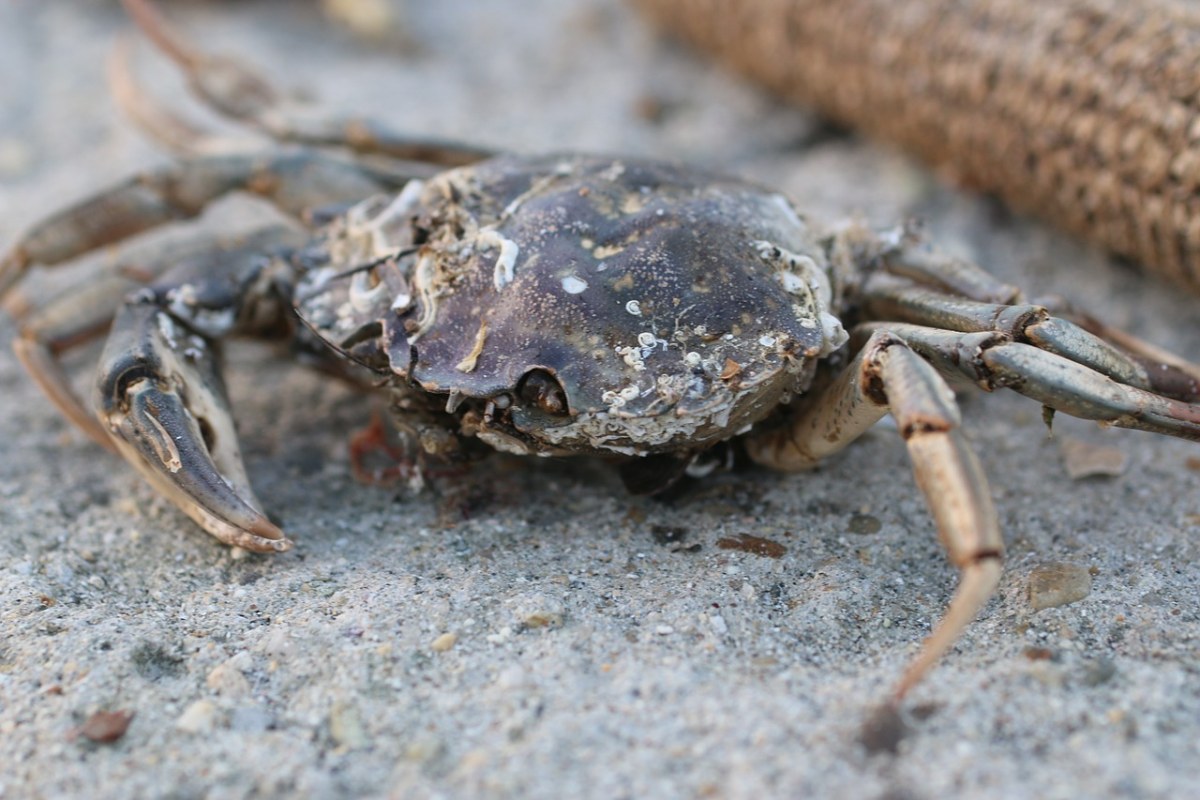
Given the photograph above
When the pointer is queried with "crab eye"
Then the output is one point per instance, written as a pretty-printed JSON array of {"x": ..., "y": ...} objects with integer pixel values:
[{"x": 542, "y": 390}]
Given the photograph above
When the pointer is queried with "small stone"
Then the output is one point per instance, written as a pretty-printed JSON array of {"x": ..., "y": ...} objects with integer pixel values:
[
  {"x": 1098, "y": 672},
  {"x": 424, "y": 749},
  {"x": 444, "y": 642},
  {"x": 370, "y": 19},
  {"x": 228, "y": 680},
  {"x": 863, "y": 524},
  {"x": 536, "y": 610},
  {"x": 346, "y": 728},
  {"x": 104, "y": 727},
  {"x": 199, "y": 717},
  {"x": 1058, "y": 584},
  {"x": 883, "y": 730},
  {"x": 1086, "y": 460},
  {"x": 544, "y": 619}
]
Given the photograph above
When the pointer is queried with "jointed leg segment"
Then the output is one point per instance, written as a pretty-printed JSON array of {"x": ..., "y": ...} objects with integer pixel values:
[
  {"x": 887, "y": 376},
  {"x": 237, "y": 92}
]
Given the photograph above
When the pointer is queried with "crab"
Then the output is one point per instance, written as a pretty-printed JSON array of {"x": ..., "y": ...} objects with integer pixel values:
[{"x": 557, "y": 305}]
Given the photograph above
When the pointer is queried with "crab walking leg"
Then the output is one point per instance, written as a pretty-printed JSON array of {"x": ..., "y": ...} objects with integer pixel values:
[
  {"x": 905, "y": 250},
  {"x": 67, "y": 322},
  {"x": 293, "y": 182},
  {"x": 888, "y": 377},
  {"x": 170, "y": 130},
  {"x": 992, "y": 360},
  {"x": 889, "y": 298},
  {"x": 1152, "y": 356},
  {"x": 236, "y": 91}
]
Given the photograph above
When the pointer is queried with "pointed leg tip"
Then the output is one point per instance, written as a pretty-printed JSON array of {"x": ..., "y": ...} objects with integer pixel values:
[
  {"x": 12, "y": 265},
  {"x": 256, "y": 541},
  {"x": 884, "y": 729}
]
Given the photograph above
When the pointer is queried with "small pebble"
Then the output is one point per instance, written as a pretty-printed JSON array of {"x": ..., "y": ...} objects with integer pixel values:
[
  {"x": 199, "y": 717},
  {"x": 105, "y": 727},
  {"x": 1098, "y": 672},
  {"x": 863, "y": 524},
  {"x": 1058, "y": 584},
  {"x": 228, "y": 680},
  {"x": 346, "y": 728},
  {"x": 443, "y": 643},
  {"x": 1086, "y": 460},
  {"x": 883, "y": 731}
]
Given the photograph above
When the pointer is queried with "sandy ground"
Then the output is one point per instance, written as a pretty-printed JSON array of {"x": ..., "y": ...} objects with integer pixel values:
[{"x": 532, "y": 630}]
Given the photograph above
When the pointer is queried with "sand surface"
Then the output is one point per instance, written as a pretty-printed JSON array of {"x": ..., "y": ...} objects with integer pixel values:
[{"x": 532, "y": 630}]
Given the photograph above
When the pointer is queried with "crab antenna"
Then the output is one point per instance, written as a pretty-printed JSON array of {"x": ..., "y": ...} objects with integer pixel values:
[
  {"x": 226, "y": 85},
  {"x": 152, "y": 23},
  {"x": 977, "y": 585},
  {"x": 164, "y": 126}
]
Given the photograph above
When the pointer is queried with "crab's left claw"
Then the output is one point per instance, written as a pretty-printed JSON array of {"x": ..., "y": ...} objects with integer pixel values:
[{"x": 162, "y": 399}]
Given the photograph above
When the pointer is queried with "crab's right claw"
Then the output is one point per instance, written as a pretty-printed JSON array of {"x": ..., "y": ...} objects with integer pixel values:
[{"x": 162, "y": 399}]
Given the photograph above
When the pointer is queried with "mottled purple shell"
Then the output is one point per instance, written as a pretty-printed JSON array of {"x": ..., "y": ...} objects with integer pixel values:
[{"x": 674, "y": 307}]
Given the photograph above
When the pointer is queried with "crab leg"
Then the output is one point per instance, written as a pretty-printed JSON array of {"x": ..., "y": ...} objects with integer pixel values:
[
  {"x": 61, "y": 325},
  {"x": 889, "y": 298},
  {"x": 236, "y": 91},
  {"x": 909, "y": 253},
  {"x": 186, "y": 448},
  {"x": 293, "y": 182},
  {"x": 160, "y": 394},
  {"x": 992, "y": 360},
  {"x": 888, "y": 377}
]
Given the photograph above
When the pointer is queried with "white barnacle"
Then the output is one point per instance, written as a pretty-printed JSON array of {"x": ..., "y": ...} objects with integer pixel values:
[
  {"x": 766, "y": 341},
  {"x": 618, "y": 398},
  {"x": 395, "y": 214},
  {"x": 363, "y": 296},
  {"x": 613, "y": 172},
  {"x": 166, "y": 326},
  {"x": 692, "y": 359},
  {"x": 612, "y": 399},
  {"x": 195, "y": 348},
  {"x": 632, "y": 356},
  {"x": 766, "y": 250},
  {"x": 573, "y": 284},
  {"x": 422, "y": 282},
  {"x": 835, "y": 334},
  {"x": 634, "y": 307},
  {"x": 183, "y": 304},
  {"x": 402, "y": 302},
  {"x": 792, "y": 283},
  {"x": 506, "y": 261}
]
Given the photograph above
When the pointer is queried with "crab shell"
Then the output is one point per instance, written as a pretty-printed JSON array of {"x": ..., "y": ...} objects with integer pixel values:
[{"x": 673, "y": 308}]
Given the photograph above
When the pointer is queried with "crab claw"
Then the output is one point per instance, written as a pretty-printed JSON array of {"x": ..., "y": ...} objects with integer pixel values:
[{"x": 162, "y": 399}]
